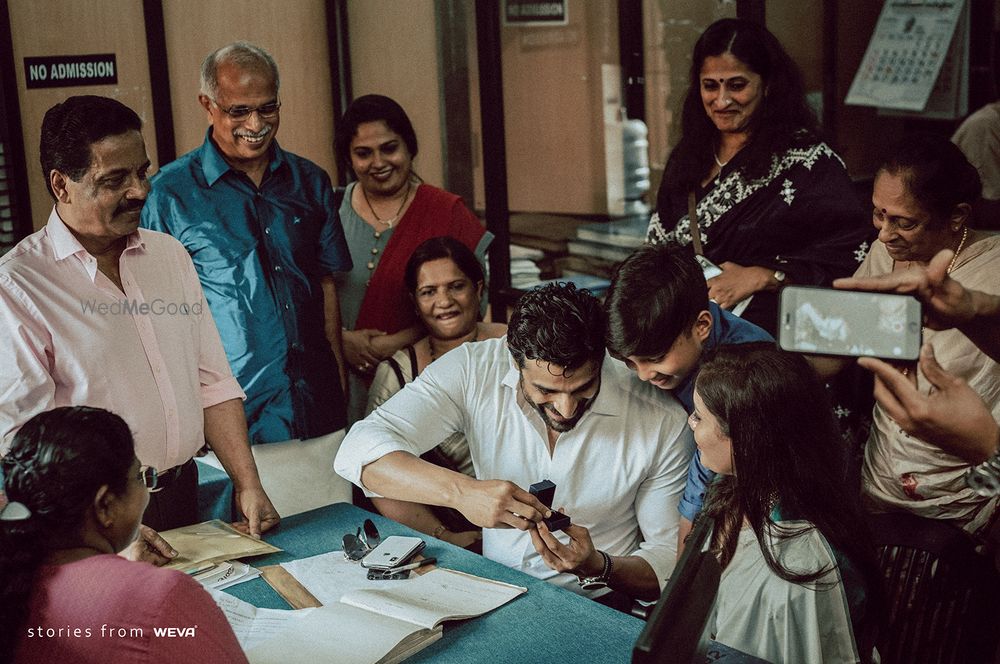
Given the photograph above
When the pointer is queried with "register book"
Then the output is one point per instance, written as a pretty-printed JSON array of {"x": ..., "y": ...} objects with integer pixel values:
[{"x": 383, "y": 623}]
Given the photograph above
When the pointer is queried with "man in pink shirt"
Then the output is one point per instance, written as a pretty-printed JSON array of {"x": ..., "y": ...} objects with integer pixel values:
[{"x": 95, "y": 311}]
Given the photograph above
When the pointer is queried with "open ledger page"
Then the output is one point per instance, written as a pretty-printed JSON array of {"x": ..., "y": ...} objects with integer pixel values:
[
  {"x": 379, "y": 622},
  {"x": 324, "y": 634},
  {"x": 342, "y": 634},
  {"x": 439, "y": 595}
]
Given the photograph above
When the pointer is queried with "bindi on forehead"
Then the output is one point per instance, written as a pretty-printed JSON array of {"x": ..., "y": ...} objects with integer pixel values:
[{"x": 722, "y": 80}]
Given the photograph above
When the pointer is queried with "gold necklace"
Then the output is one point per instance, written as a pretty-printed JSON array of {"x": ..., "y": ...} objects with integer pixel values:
[
  {"x": 951, "y": 266},
  {"x": 961, "y": 244},
  {"x": 378, "y": 234},
  {"x": 388, "y": 222},
  {"x": 430, "y": 342}
]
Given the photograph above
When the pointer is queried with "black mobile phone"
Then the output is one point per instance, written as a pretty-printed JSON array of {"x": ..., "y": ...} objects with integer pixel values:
[{"x": 825, "y": 321}]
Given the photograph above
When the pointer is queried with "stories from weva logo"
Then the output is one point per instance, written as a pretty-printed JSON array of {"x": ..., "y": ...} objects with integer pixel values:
[
  {"x": 175, "y": 632},
  {"x": 110, "y": 632}
]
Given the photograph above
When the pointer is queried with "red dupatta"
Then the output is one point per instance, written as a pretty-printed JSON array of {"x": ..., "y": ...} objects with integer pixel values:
[{"x": 434, "y": 212}]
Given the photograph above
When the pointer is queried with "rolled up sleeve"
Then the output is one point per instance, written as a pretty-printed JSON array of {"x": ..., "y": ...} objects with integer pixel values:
[
  {"x": 417, "y": 418},
  {"x": 698, "y": 480},
  {"x": 334, "y": 254},
  {"x": 214, "y": 373}
]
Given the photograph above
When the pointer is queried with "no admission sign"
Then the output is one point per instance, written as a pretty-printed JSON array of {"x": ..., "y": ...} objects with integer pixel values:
[{"x": 62, "y": 71}]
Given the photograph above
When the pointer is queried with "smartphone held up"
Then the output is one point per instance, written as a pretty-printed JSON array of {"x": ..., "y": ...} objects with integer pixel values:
[{"x": 825, "y": 321}]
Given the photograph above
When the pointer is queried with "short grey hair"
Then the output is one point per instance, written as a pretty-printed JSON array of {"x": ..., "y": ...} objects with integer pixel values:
[{"x": 242, "y": 54}]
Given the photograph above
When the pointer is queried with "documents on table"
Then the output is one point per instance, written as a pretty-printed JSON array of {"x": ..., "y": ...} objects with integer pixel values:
[
  {"x": 432, "y": 598},
  {"x": 397, "y": 618},
  {"x": 329, "y": 575},
  {"x": 226, "y": 574},
  {"x": 211, "y": 542},
  {"x": 251, "y": 625}
]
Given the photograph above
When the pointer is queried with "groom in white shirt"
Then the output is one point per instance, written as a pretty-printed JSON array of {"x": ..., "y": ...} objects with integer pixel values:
[{"x": 542, "y": 403}]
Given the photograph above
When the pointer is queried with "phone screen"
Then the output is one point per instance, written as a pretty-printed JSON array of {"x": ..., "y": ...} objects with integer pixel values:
[{"x": 826, "y": 321}]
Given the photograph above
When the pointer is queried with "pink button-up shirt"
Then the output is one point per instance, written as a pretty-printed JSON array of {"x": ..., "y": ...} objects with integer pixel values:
[{"x": 69, "y": 337}]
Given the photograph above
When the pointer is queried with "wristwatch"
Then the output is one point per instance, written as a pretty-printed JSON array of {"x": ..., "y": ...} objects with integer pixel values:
[
  {"x": 984, "y": 478},
  {"x": 602, "y": 580}
]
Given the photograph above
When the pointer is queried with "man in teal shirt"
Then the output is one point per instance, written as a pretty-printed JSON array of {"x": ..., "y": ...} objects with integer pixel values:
[{"x": 261, "y": 225}]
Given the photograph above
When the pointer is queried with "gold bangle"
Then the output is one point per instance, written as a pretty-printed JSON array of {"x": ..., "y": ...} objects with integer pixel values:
[{"x": 441, "y": 529}]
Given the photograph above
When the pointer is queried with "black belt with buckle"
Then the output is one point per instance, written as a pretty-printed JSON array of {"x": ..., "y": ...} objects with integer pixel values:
[{"x": 167, "y": 478}]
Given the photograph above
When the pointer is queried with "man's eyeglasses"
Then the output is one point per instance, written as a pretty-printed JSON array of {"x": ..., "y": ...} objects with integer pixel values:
[
  {"x": 266, "y": 111},
  {"x": 148, "y": 476},
  {"x": 358, "y": 545}
]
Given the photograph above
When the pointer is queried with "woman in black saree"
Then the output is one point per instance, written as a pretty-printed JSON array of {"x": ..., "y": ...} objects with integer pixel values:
[{"x": 774, "y": 203}]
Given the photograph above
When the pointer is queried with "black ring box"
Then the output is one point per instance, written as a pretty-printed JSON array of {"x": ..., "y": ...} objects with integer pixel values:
[{"x": 545, "y": 491}]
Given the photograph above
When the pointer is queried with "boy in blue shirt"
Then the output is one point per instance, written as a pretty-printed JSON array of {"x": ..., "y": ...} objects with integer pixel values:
[{"x": 660, "y": 324}]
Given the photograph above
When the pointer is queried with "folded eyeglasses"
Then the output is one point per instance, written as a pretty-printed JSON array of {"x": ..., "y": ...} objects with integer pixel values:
[{"x": 360, "y": 544}]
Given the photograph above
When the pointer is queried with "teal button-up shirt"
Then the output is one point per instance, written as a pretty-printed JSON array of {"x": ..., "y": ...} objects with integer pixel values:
[{"x": 260, "y": 254}]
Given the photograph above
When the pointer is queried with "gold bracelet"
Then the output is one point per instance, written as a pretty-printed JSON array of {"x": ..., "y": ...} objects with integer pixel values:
[{"x": 441, "y": 529}]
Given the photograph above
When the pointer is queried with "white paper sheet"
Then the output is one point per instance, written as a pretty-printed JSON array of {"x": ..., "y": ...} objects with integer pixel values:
[
  {"x": 439, "y": 595},
  {"x": 329, "y": 575},
  {"x": 342, "y": 634},
  {"x": 227, "y": 574},
  {"x": 254, "y": 626},
  {"x": 328, "y": 633}
]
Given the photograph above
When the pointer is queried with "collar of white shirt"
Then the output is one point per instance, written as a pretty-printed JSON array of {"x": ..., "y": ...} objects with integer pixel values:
[
  {"x": 65, "y": 244},
  {"x": 609, "y": 400}
]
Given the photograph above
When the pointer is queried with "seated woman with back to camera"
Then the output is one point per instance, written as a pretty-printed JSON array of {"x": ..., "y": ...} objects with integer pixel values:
[
  {"x": 922, "y": 198},
  {"x": 445, "y": 282},
  {"x": 800, "y": 579},
  {"x": 77, "y": 495}
]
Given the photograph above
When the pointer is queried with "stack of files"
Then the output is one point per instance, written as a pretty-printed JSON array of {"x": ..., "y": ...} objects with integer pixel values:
[
  {"x": 523, "y": 268},
  {"x": 610, "y": 240},
  {"x": 360, "y": 621},
  {"x": 629, "y": 233}
]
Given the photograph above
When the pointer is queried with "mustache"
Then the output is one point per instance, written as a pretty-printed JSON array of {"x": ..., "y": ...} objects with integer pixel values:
[
  {"x": 264, "y": 131},
  {"x": 130, "y": 206}
]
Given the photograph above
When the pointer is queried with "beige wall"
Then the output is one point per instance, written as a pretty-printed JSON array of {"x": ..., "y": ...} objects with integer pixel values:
[
  {"x": 394, "y": 53},
  {"x": 295, "y": 35},
  {"x": 552, "y": 79},
  {"x": 553, "y": 110},
  {"x": 95, "y": 26}
]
